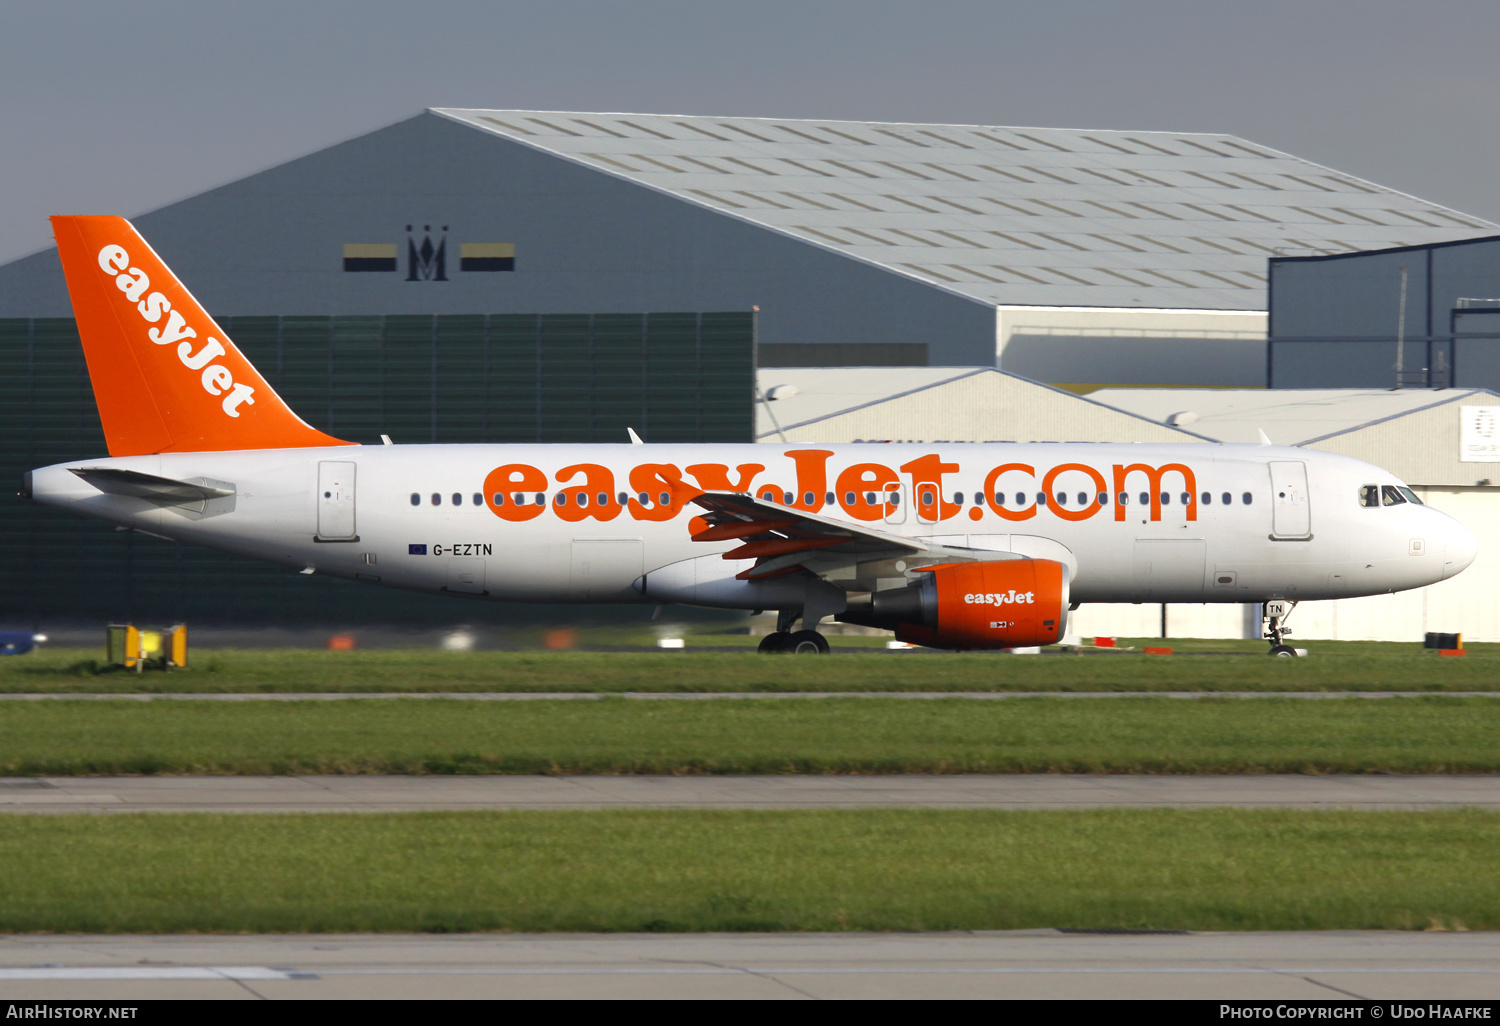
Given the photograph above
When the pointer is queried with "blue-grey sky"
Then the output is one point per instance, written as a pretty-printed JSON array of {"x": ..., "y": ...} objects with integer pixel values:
[{"x": 113, "y": 107}]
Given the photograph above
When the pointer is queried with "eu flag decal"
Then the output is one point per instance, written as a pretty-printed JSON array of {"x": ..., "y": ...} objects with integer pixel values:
[
  {"x": 369, "y": 257},
  {"x": 416, "y": 550},
  {"x": 487, "y": 256}
]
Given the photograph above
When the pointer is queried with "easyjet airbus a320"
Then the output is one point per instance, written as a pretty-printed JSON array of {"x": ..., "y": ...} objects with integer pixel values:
[{"x": 965, "y": 546}]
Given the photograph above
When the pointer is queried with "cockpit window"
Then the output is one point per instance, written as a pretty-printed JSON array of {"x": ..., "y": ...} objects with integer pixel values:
[
  {"x": 1392, "y": 496},
  {"x": 1369, "y": 496},
  {"x": 1411, "y": 496}
]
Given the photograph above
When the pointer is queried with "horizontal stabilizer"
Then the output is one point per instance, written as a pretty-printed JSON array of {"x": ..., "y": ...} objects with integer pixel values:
[{"x": 162, "y": 491}]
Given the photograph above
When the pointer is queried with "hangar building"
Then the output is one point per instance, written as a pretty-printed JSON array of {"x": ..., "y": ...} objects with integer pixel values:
[
  {"x": 1424, "y": 316},
  {"x": 1066, "y": 256}
]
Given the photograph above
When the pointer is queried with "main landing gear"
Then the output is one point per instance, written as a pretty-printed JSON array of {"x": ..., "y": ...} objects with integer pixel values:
[
  {"x": 1274, "y": 615},
  {"x": 803, "y": 642}
]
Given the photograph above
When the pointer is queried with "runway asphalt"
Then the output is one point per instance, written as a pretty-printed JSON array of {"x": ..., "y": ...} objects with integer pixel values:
[
  {"x": 376, "y": 793},
  {"x": 1020, "y": 964}
]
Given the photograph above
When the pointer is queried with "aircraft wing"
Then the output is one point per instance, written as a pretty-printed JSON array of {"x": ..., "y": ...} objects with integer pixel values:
[{"x": 784, "y": 540}]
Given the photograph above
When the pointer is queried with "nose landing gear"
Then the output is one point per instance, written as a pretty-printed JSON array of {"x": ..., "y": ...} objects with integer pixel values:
[{"x": 1274, "y": 616}]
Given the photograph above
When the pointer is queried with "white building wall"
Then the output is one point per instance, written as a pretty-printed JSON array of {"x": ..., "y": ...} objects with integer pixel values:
[{"x": 1078, "y": 346}]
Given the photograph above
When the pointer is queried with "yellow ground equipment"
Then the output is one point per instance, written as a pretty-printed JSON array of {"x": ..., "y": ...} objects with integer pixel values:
[{"x": 134, "y": 649}]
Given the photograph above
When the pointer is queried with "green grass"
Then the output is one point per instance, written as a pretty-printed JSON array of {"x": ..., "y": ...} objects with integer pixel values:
[
  {"x": 835, "y": 735},
  {"x": 686, "y": 870},
  {"x": 1236, "y": 666}
]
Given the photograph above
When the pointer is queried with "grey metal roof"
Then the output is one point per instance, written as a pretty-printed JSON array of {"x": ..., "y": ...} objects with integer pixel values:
[
  {"x": 1010, "y": 216},
  {"x": 1289, "y": 416}
]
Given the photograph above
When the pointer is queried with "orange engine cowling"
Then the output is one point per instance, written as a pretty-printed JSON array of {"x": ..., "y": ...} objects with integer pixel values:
[{"x": 1001, "y": 604}]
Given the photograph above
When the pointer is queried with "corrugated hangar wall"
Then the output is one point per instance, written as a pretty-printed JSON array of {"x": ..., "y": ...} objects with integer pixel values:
[
  {"x": 680, "y": 377},
  {"x": 272, "y": 244},
  {"x": 1335, "y": 321}
]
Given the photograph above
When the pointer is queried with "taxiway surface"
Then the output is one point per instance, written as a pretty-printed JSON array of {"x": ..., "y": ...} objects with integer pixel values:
[
  {"x": 997, "y": 791},
  {"x": 1018, "y": 964}
]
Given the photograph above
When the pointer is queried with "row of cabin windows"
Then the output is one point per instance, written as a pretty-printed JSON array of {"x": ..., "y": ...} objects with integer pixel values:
[
  {"x": 928, "y": 498},
  {"x": 540, "y": 498},
  {"x": 1372, "y": 496},
  {"x": 437, "y": 499},
  {"x": 1083, "y": 499}
]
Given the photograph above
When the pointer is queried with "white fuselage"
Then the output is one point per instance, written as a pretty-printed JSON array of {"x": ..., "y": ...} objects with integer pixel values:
[{"x": 1292, "y": 526}]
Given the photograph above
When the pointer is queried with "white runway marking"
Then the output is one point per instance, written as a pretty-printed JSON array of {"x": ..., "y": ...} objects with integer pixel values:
[{"x": 164, "y": 972}]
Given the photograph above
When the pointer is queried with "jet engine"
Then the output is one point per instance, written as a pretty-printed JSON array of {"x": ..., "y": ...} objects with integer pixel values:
[{"x": 1006, "y": 603}]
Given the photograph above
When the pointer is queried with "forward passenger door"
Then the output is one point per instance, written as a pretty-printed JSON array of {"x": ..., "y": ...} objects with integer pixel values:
[{"x": 1291, "y": 515}]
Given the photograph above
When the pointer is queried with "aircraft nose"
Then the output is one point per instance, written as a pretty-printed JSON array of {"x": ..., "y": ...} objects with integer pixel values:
[{"x": 1459, "y": 548}]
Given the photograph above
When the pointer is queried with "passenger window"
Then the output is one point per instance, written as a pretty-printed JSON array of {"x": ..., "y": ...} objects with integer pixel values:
[
  {"x": 1226, "y": 499},
  {"x": 1411, "y": 496},
  {"x": 1369, "y": 496},
  {"x": 1083, "y": 498},
  {"x": 560, "y": 499},
  {"x": 894, "y": 498},
  {"x": 1246, "y": 498},
  {"x": 437, "y": 500},
  {"x": 1124, "y": 499},
  {"x": 1166, "y": 499},
  {"x": 416, "y": 500},
  {"x": 848, "y": 498},
  {"x": 458, "y": 500},
  {"x": 1041, "y": 498},
  {"x": 1187, "y": 498},
  {"x": 1208, "y": 498},
  {"x": 582, "y": 498},
  {"x": 808, "y": 498},
  {"x": 765, "y": 496},
  {"x": 786, "y": 499},
  {"x": 1062, "y": 498},
  {"x": 829, "y": 499},
  {"x": 1145, "y": 498},
  {"x": 1392, "y": 496},
  {"x": 499, "y": 498},
  {"x": 666, "y": 498},
  {"x": 1104, "y": 498},
  {"x": 478, "y": 499},
  {"x": 1020, "y": 498},
  {"x": 927, "y": 498},
  {"x": 958, "y": 498},
  {"x": 623, "y": 497},
  {"x": 603, "y": 498},
  {"x": 541, "y": 498},
  {"x": 999, "y": 498}
]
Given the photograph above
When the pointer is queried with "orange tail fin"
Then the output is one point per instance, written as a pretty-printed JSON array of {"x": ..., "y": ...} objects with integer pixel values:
[{"x": 166, "y": 378}]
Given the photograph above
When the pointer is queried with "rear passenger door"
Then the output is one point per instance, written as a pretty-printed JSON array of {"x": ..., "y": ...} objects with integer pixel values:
[{"x": 336, "y": 501}]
